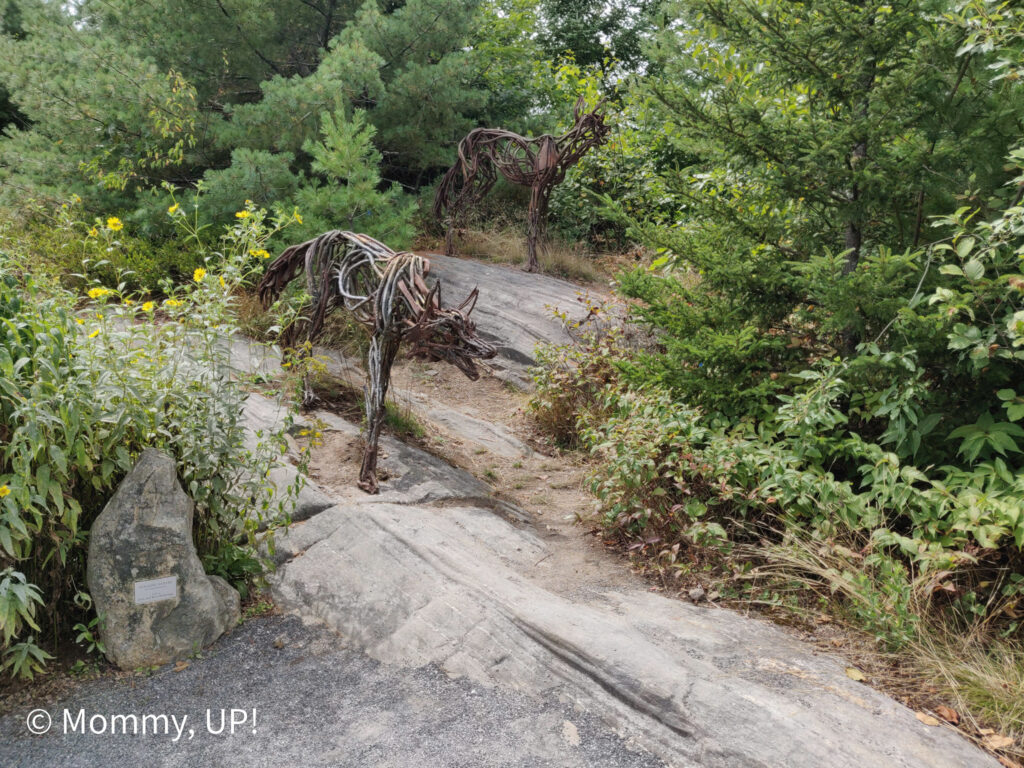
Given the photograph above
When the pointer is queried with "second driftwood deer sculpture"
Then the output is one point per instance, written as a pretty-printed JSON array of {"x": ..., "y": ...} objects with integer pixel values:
[
  {"x": 539, "y": 163},
  {"x": 387, "y": 293}
]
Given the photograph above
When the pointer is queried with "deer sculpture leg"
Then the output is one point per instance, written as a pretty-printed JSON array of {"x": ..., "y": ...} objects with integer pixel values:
[
  {"x": 383, "y": 349},
  {"x": 535, "y": 217}
]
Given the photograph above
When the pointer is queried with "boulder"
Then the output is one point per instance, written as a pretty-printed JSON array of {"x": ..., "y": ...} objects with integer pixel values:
[
  {"x": 514, "y": 310},
  {"x": 461, "y": 588},
  {"x": 145, "y": 578}
]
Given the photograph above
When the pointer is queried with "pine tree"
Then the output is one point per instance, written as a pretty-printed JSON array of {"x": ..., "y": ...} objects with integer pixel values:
[
  {"x": 346, "y": 191},
  {"x": 828, "y": 135},
  {"x": 118, "y": 98},
  {"x": 10, "y": 27}
]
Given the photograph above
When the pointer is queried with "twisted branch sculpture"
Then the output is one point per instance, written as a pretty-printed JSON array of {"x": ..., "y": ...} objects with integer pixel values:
[
  {"x": 387, "y": 293},
  {"x": 539, "y": 163}
]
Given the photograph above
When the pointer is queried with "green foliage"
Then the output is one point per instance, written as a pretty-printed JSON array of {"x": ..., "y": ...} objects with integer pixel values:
[
  {"x": 814, "y": 145},
  {"x": 86, "y": 383},
  {"x": 233, "y": 92},
  {"x": 88, "y": 636},
  {"x": 593, "y": 32},
  {"x": 670, "y": 480},
  {"x": 25, "y": 659},
  {"x": 570, "y": 381},
  {"x": 636, "y": 151},
  {"x": 18, "y": 601},
  {"x": 254, "y": 174},
  {"x": 350, "y": 197},
  {"x": 74, "y": 251},
  {"x": 128, "y": 123},
  {"x": 402, "y": 421}
]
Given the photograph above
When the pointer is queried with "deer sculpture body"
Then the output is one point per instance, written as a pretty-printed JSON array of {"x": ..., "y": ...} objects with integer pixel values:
[
  {"x": 387, "y": 293},
  {"x": 539, "y": 163}
]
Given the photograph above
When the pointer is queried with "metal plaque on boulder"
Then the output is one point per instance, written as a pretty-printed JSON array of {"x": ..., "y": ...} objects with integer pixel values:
[{"x": 155, "y": 590}]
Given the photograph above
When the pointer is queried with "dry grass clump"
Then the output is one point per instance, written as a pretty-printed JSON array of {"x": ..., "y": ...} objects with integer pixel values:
[
  {"x": 507, "y": 245},
  {"x": 970, "y": 677}
]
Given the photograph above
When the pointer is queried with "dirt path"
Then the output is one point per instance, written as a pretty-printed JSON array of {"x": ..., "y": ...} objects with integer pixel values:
[{"x": 543, "y": 481}]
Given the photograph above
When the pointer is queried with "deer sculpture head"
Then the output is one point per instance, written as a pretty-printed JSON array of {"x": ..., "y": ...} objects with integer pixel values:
[
  {"x": 448, "y": 335},
  {"x": 588, "y": 130}
]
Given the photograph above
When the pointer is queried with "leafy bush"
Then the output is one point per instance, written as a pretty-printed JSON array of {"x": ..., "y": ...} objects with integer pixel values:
[
  {"x": 65, "y": 246},
  {"x": 837, "y": 361},
  {"x": 85, "y": 385},
  {"x": 674, "y": 479},
  {"x": 635, "y": 150}
]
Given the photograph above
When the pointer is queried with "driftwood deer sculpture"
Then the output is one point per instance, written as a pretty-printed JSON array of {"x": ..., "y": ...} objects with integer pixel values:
[
  {"x": 387, "y": 293},
  {"x": 539, "y": 163}
]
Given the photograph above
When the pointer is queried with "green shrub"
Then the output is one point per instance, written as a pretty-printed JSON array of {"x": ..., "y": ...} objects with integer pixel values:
[
  {"x": 85, "y": 385},
  {"x": 63, "y": 245},
  {"x": 673, "y": 479}
]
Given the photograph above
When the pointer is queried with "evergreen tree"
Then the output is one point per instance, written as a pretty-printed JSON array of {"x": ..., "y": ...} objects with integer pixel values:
[
  {"x": 829, "y": 134},
  {"x": 10, "y": 27},
  {"x": 118, "y": 99},
  {"x": 597, "y": 32},
  {"x": 347, "y": 194},
  {"x": 102, "y": 119}
]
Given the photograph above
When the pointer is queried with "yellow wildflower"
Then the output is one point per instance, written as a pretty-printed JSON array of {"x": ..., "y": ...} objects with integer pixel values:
[
  {"x": 93, "y": 232},
  {"x": 297, "y": 217},
  {"x": 98, "y": 293},
  {"x": 114, "y": 224},
  {"x": 4, "y": 491},
  {"x": 129, "y": 302},
  {"x": 94, "y": 334},
  {"x": 242, "y": 214},
  {"x": 222, "y": 283},
  {"x": 173, "y": 209},
  {"x": 199, "y": 274},
  {"x": 172, "y": 303},
  {"x": 260, "y": 254},
  {"x": 147, "y": 307},
  {"x": 79, "y": 321}
]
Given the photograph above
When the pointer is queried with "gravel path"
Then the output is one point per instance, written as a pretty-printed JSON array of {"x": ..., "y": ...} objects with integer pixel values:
[{"x": 317, "y": 703}]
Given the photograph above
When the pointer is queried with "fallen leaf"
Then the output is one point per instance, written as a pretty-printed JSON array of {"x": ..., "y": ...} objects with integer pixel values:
[
  {"x": 854, "y": 674},
  {"x": 180, "y": 666},
  {"x": 1008, "y": 763},
  {"x": 986, "y": 731},
  {"x": 837, "y": 642},
  {"x": 926, "y": 719},
  {"x": 995, "y": 741},
  {"x": 947, "y": 714}
]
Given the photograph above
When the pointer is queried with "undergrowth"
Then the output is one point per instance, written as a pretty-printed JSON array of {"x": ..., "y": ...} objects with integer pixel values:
[
  {"x": 906, "y": 554},
  {"x": 92, "y": 375}
]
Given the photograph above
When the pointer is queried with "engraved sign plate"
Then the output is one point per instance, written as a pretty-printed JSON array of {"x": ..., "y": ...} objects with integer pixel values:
[{"x": 155, "y": 590}]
